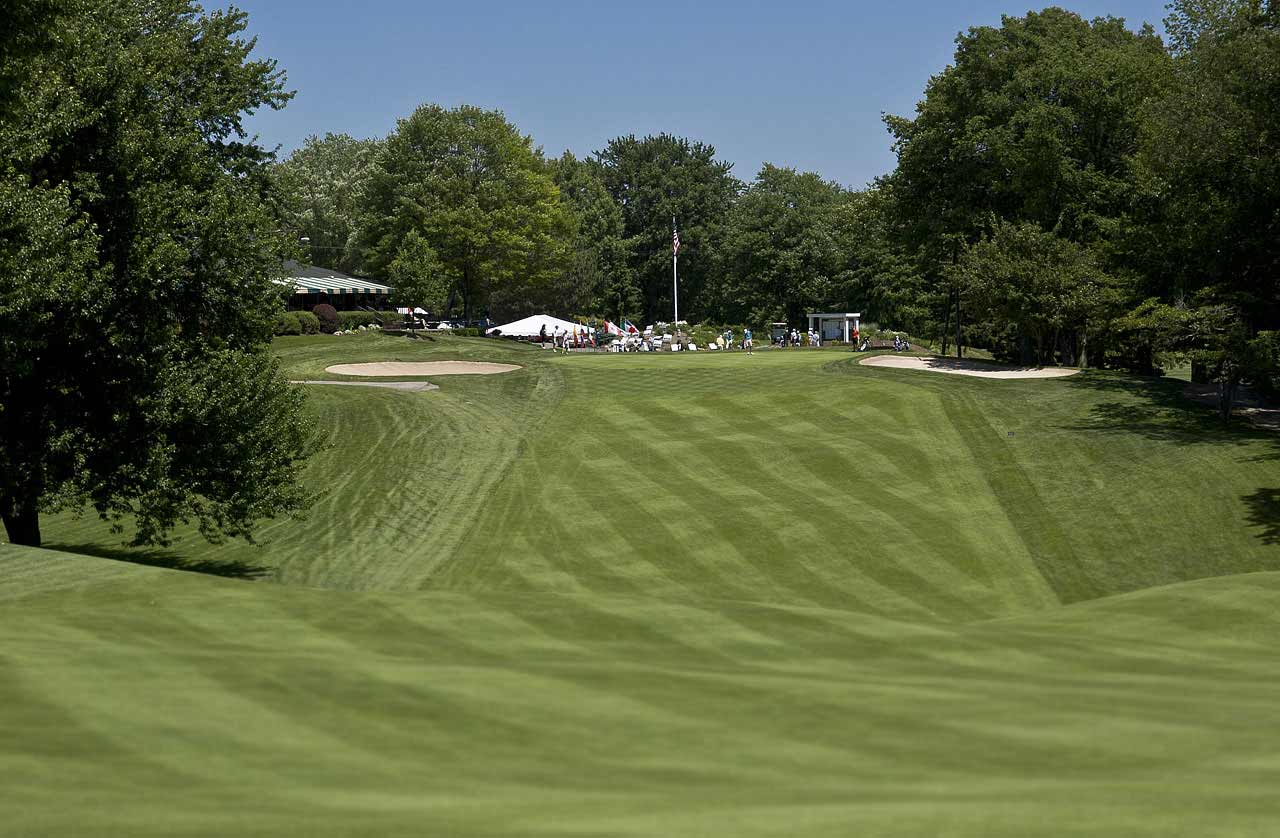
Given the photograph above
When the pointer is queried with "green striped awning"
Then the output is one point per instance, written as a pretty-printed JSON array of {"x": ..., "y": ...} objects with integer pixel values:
[
  {"x": 334, "y": 285},
  {"x": 338, "y": 285}
]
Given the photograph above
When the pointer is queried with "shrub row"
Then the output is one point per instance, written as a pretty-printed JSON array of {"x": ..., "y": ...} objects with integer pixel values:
[
  {"x": 297, "y": 323},
  {"x": 348, "y": 320},
  {"x": 325, "y": 318}
]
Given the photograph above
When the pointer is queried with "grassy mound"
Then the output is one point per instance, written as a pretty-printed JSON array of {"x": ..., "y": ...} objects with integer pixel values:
[
  {"x": 175, "y": 703},
  {"x": 678, "y": 595},
  {"x": 797, "y": 477}
]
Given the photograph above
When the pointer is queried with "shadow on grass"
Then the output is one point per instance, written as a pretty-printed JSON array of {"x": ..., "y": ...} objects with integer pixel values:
[
  {"x": 1264, "y": 513},
  {"x": 166, "y": 559},
  {"x": 1157, "y": 408}
]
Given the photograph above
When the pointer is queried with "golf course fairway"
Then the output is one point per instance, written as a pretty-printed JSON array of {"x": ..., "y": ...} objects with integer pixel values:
[{"x": 677, "y": 595}]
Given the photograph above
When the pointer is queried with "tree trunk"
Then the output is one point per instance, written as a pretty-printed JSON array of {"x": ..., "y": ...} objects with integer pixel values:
[
  {"x": 946, "y": 327},
  {"x": 1227, "y": 385},
  {"x": 959, "y": 342},
  {"x": 21, "y": 520}
]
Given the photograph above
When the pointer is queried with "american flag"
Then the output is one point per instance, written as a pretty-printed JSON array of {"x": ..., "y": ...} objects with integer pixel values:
[{"x": 675, "y": 240}]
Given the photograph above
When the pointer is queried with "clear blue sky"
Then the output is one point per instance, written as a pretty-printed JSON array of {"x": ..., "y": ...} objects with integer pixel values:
[{"x": 799, "y": 83}]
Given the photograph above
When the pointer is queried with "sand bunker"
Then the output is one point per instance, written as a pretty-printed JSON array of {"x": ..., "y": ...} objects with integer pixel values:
[
  {"x": 383, "y": 369},
  {"x": 956, "y": 366}
]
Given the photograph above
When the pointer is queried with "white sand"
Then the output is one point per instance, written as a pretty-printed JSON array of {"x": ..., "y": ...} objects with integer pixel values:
[
  {"x": 957, "y": 366},
  {"x": 393, "y": 368}
]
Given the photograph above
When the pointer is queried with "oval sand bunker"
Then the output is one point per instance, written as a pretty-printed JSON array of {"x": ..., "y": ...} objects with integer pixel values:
[
  {"x": 960, "y": 367},
  {"x": 383, "y": 369}
]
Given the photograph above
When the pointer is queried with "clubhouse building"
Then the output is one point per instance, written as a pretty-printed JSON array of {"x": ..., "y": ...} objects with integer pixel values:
[{"x": 307, "y": 286}]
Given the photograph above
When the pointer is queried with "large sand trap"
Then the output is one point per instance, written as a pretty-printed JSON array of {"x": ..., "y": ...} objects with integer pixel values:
[
  {"x": 957, "y": 366},
  {"x": 392, "y": 368}
]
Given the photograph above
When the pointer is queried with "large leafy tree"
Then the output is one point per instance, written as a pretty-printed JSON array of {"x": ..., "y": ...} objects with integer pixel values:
[
  {"x": 1034, "y": 122},
  {"x": 877, "y": 274},
  {"x": 137, "y": 258},
  {"x": 1207, "y": 231},
  {"x": 780, "y": 253},
  {"x": 467, "y": 185},
  {"x": 1044, "y": 284},
  {"x": 654, "y": 180},
  {"x": 319, "y": 186},
  {"x": 598, "y": 278}
]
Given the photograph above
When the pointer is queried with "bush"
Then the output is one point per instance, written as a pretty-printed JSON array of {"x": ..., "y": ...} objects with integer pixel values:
[
  {"x": 296, "y": 323},
  {"x": 328, "y": 316},
  {"x": 308, "y": 322},
  {"x": 287, "y": 324},
  {"x": 348, "y": 320}
]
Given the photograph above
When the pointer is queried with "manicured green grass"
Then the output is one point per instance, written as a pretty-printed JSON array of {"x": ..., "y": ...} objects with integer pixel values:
[
  {"x": 678, "y": 595},
  {"x": 165, "y": 703}
]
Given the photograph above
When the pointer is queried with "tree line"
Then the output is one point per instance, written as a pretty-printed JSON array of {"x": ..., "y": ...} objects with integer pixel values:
[{"x": 1067, "y": 190}]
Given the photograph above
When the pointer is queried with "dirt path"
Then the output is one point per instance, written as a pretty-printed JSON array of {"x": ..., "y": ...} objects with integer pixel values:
[
  {"x": 394, "y": 368},
  {"x": 413, "y": 386},
  {"x": 955, "y": 366}
]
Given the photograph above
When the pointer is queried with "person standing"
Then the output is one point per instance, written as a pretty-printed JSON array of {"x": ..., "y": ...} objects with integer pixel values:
[
  {"x": 542, "y": 335},
  {"x": 747, "y": 343}
]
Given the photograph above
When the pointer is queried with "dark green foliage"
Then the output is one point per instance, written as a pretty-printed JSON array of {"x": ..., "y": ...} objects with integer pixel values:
[
  {"x": 1045, "y": 286},
  {"x": 598, "y": 278},
  {"x": 328, "y": 317},
  {"x": 655, "y": 180},
  {"x": 296, "y": 323},
  {"x": 356, "y": 319},
  {"x": 459, "y": 203},
  {"x": 1034, "y": 122},
  {"x": 138, "y": 256},
  {"x": 878, "y": 275},
  {"x": 308, "y": 322},
  {"x": 287, "y": 324},
  {"x": 780, "y": 254},
  {"x": 319, "y": 185},
  {"x": 1207, "y": 227}
]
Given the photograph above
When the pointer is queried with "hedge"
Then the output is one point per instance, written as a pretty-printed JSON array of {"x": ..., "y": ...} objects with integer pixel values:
[
  {"x": 296, "y": 323},
  {"x": 309, "y": 322},
  {"x": 348, "y": 320}
]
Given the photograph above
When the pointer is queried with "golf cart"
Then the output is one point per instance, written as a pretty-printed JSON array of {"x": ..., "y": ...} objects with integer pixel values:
[{"x": 778, "y": 333}]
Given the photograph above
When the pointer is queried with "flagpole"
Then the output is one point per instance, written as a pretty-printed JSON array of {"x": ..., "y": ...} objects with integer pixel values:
[{"x": 675, "y": 277}]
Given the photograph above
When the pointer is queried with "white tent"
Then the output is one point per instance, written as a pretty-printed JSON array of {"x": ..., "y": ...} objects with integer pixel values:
[{"x": 530, "y": 327}]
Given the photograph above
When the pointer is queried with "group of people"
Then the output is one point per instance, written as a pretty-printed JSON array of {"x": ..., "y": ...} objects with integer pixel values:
[
  {"x": 793, "y": 338},
  {"x": 562, "y": 340},
  {"x": 725, "y": 341}
]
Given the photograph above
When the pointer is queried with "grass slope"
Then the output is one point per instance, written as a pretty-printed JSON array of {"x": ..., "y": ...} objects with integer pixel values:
[
  {"x": 796, "y": 477},
  {"x": 165, "y": 703},
  {"x": 678, "y": 595}
]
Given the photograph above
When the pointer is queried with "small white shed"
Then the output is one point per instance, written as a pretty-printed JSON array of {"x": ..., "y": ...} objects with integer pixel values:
[{"x": 836, "y": 326}]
